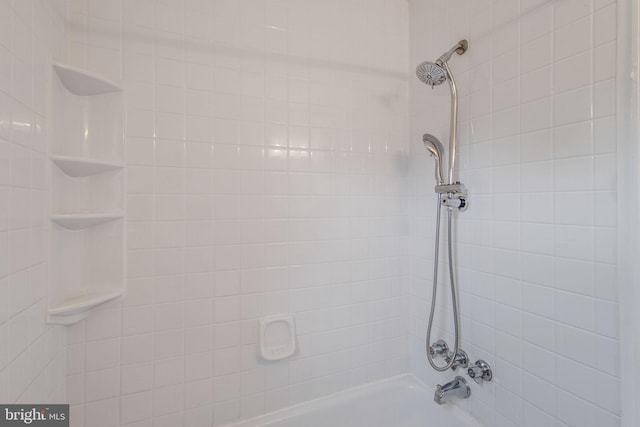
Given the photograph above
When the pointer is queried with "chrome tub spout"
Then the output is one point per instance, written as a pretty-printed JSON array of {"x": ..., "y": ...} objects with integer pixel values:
[{"x": 456, "y": 387}]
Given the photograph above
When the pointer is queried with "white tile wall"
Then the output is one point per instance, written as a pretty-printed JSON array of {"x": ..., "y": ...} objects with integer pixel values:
[
  {"x": 266, "y": 145},
  {"x": 536, "y": 249},
  {"x": 267, "y": 174},
  {"x": 32, "y": 354}
]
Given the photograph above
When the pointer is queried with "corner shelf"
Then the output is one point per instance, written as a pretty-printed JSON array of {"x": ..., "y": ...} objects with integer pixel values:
[
  {"x": 87, "y": 186},
  {"x": 83, "y": 83},
  {"x": 78, "y": 166},
  {"x": 74, "y": 309},
  {"x": 84, "y": 220}
]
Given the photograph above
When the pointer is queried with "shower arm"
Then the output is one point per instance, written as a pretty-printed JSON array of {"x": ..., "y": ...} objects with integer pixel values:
[
  {"x": 453, "y": 122},
  {"x": 460, "y": 48}
]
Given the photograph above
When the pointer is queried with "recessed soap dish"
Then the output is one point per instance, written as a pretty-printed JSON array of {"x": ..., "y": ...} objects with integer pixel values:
[{"x": 277, "y": 336}]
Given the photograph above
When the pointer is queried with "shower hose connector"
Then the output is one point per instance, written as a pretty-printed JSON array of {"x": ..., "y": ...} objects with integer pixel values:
[{"x": 460, "y": 360}]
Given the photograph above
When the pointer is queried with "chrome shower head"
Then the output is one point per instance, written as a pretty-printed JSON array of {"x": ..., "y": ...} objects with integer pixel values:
[
  {"x": 435, "y": 73},
  {"x": 431, "y": 73},
  {"x": 435, "y": 148}
]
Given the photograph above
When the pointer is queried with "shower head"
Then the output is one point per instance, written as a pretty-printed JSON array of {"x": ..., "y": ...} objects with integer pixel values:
[
  {"x": 431, "y": 73},
  {"x": 434, "y": 146},
  {"x": 435, "y": 73}
]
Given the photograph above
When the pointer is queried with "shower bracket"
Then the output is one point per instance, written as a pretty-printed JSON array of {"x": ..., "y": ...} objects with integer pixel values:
[{"x": 453, "y": 196}]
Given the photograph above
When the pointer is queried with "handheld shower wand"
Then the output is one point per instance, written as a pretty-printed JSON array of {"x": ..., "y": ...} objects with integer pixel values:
[{"x": 434, "y": 146}]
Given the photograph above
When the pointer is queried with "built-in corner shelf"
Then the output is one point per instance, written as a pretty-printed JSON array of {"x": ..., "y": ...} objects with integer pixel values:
[
  {"x": 87, "y": 186},
  {"x": 74, "y": 309},
  {"x": 84, "y": 83},
  {"x": 84, "y": 220},
  {"x": 78, "y": 166}
]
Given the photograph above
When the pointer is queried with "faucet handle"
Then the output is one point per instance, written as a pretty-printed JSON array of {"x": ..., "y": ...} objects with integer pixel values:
[
  {"x": 480, "y": 372},
  {"x": 439, "y": 348}
]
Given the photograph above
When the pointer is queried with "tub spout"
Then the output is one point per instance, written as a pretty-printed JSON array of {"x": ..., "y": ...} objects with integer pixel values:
[{"x": 456, "y": 387}]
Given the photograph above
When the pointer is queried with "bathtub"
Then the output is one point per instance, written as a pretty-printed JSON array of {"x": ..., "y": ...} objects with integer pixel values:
[{"x": 401, "y": 401}]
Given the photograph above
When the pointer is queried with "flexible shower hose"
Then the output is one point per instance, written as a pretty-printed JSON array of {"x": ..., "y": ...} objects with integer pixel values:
[{"x": 454, "y": 296}]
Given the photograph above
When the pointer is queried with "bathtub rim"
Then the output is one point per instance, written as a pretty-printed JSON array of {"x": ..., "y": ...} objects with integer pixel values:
[{"x": 407, "y": 379}]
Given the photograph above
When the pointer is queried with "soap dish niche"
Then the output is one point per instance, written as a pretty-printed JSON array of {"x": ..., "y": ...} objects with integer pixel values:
[{"x": 277, "y": 337}]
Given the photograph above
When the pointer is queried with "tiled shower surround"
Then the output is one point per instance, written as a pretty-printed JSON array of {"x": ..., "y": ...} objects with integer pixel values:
[
  {"x": 266, "y": 160},
  {"x": 275, "y": 165},
  {"x": 32, "y": 354},
  {"x": 537, "y": 246}
]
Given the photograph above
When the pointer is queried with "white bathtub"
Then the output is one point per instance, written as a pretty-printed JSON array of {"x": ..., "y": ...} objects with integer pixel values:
[{"x": 397, "y": 402}]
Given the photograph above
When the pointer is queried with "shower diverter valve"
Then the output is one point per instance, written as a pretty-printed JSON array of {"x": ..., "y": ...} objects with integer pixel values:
[{"x": 277, "y": 337}]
